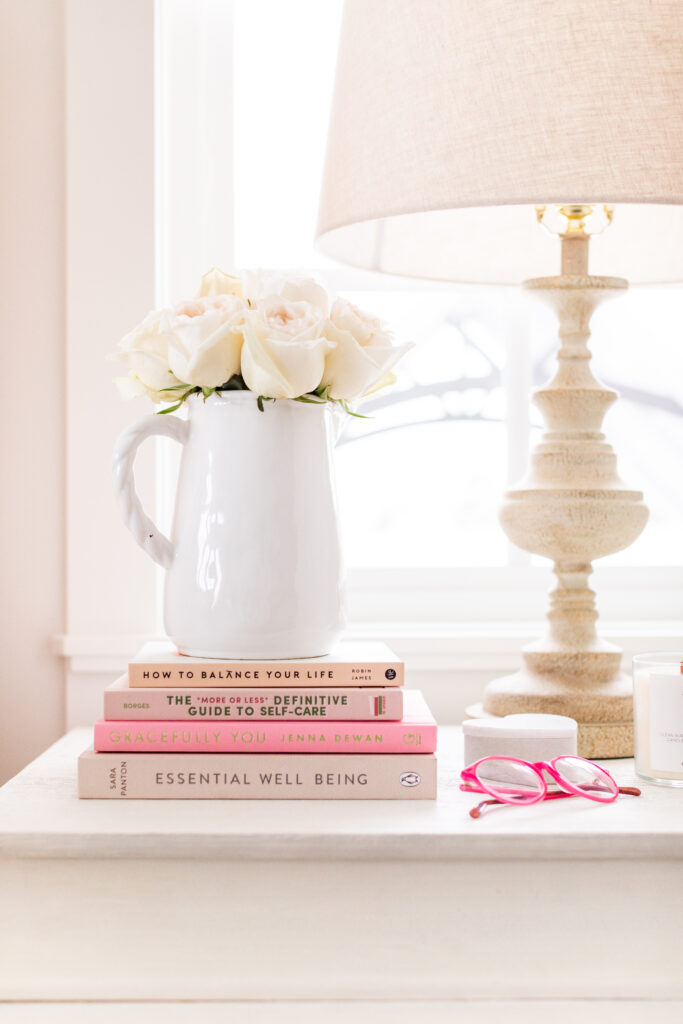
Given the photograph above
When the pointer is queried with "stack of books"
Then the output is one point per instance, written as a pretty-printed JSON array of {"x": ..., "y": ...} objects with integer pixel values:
[{"x": 339, "y": 727}]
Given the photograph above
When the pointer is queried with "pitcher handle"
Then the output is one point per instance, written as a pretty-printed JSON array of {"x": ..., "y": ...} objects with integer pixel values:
[{"x": 140, "y": 525}]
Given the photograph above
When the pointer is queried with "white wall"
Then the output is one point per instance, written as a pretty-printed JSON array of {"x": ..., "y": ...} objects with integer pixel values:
[
  {"x": 77, "y": 272},
  {"x": 32, "y": 453}
]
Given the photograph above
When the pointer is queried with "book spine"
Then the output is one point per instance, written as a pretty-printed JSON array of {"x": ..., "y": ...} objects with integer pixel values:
[
  {"x": 227, "y": 674},
  {"x": 266, "y": 737},
  {"x": 242, "y": 777},
  {"x": 247, "y": 705}
]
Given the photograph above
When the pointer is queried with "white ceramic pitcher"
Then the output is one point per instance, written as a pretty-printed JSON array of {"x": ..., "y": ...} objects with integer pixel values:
[{"x": 254, "y": 566}]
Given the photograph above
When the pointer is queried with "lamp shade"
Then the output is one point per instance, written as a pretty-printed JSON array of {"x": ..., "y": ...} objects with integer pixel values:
[{"x": 451, "y": 119}]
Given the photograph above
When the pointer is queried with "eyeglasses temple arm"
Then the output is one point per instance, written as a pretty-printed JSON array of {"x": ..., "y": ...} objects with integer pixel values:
[
  {"x": 476, "y": 812},
  {"x": 629, "y": 790}
]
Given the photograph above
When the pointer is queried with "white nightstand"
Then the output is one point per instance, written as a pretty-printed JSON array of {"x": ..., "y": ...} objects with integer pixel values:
[{"x": 378, "y": 903}]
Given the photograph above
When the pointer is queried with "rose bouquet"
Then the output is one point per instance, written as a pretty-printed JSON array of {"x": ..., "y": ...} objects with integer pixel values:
[{"x": 277, "y": 336}]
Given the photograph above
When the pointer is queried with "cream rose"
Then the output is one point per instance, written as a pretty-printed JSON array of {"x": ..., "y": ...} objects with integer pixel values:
[
  {"x": 145, "y": 350},
  {"x": 216, "y": 282},
  {"x": 262, "y": 286},
  {"x": 284, "y": 348},
  {"x": 363, "y": 355},
  {"x": 204, "y": 338},
  {"x": 276, "y": 330}
]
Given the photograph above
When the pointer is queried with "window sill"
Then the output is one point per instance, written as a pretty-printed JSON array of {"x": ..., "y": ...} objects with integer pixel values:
[{"x": 431, "y": 647}]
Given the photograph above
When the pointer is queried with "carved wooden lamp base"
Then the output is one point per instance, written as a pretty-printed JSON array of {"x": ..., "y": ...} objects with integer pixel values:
[
  {"x": 572, "y": 507},
  {"x": 604, "y": 712}
]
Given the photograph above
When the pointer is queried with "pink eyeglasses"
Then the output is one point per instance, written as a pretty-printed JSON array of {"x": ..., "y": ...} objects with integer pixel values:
[{"x": 512, "y": 781}]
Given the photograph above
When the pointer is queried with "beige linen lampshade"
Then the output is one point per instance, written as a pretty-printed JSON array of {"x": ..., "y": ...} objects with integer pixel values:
[{"x": 452, "y": 118}]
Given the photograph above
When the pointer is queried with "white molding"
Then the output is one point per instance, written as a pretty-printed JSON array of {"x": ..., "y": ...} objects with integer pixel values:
[
  {"x": 193, "y": 201},
  {"x": 109, "y": 288}
]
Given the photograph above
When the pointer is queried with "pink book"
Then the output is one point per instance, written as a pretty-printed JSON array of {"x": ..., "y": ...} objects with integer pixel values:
[
  {"x": 252, "y": 704},
  {"x": 416, "y": 733},
  {"x": 349, "y": 664}
]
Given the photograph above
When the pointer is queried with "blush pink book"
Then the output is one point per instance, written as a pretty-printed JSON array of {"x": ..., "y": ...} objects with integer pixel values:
[
  {"x": 415, "y": 733},
  {"x": 252, "y": 704}
]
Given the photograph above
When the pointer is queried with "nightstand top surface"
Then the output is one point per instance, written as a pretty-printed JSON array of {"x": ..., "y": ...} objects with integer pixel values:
[{"x": 41, "y": 816}]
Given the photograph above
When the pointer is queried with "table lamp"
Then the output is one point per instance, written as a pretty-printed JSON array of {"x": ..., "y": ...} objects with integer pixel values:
[{"x": 469, "y": 141}]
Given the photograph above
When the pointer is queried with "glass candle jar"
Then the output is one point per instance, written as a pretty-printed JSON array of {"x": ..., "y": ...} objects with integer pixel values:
[{"x": 658, "y": 717}]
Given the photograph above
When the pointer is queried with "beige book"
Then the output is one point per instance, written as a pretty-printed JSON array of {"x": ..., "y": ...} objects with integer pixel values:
[
  {"x": 115, "y": 776},
  {"x": 349, "y": 664}
]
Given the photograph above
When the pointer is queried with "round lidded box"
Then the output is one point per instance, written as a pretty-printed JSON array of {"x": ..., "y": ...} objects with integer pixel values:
[{"x": 528, "y": 737}]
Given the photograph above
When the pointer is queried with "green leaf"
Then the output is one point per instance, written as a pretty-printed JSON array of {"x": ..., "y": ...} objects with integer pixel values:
[
  {"x": 259, "y": 402},
  {"x": 172, "y": 408},
  {"x": 236, "y": 383},
  {"x": 349, "y": 412}
]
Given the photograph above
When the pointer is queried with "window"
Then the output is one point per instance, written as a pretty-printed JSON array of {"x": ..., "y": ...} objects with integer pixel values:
[
  {"x": 420, "y": 482},
  {"x": 238, "y": 167}
]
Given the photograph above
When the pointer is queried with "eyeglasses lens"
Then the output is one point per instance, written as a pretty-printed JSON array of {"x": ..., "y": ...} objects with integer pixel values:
[
  {"x": 509, "y": 781},
  {"x": 588, "y": 778}
]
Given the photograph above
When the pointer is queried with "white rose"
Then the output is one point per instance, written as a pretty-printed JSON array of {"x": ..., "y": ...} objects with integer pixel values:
[
  {"x": 364, "y": 353},
  {"x": 284, "y": 348},
  {"x": 205, "y": 338},
  {"x": 145, "y": 350},
  {"x": 216, "y": 282},
  {"x": 262, "y": 285},
  {"x": 132, "y": 387}
]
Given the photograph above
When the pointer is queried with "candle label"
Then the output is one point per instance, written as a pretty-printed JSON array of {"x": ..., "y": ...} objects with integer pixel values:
[{"x": 666, "y": 722}]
